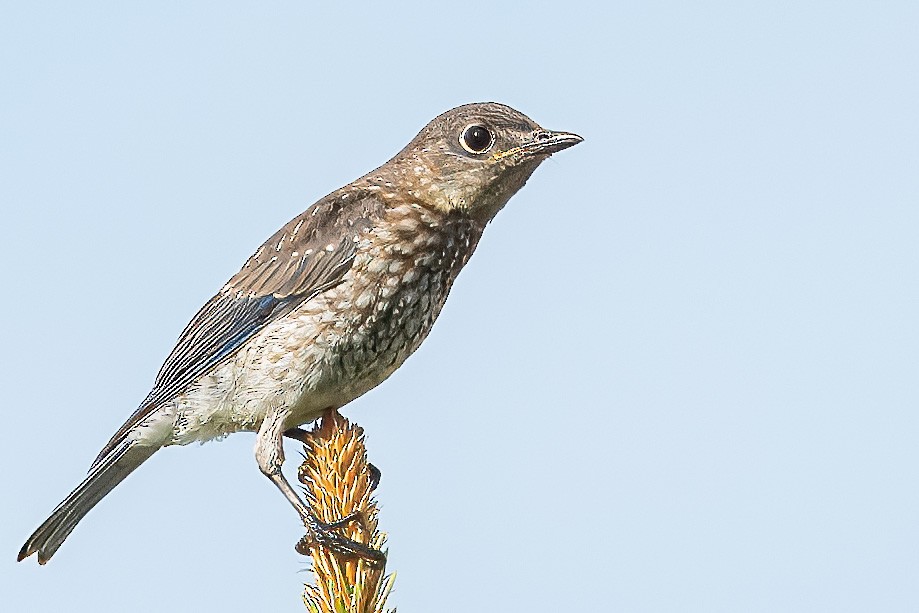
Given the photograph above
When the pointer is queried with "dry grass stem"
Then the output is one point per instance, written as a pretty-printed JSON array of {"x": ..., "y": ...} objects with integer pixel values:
[{"x": 336, "y": 481}]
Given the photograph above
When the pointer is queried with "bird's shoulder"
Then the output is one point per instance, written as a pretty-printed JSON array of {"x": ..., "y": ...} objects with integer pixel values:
[{"x": 310, "y": 247}]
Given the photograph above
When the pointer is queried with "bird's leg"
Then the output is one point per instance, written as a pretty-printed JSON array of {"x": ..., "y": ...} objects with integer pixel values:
[
  {"x": 269, "y": 453},
  {"x": 299, "y": 434}
]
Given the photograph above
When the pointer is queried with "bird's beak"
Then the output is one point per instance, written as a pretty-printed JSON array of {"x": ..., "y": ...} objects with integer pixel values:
[{"x": 543, "y": 142}]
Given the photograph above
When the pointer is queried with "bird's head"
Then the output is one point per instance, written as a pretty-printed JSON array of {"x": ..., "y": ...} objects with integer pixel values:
[{"x": 475, "y": 157}]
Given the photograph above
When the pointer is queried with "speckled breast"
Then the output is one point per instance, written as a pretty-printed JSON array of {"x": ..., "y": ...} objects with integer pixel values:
[{"x": 386, "y": 304}]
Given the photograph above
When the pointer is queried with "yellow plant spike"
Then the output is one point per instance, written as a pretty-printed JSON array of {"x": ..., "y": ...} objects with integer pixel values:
[{"x": 336, "y": 480}]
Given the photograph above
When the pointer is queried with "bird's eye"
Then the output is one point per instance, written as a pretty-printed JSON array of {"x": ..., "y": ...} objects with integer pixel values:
[{"x": 477, "y": 139}]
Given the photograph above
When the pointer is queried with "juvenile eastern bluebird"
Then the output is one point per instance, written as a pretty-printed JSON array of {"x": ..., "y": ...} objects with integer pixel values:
[{"x": 327, "y": 308}]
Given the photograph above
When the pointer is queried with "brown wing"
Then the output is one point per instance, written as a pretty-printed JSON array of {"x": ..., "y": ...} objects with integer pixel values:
[{"x": 306, "y": 257}]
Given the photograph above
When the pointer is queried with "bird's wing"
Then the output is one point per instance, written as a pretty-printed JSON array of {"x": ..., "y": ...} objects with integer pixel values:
[{"x": 306, "y": 257}]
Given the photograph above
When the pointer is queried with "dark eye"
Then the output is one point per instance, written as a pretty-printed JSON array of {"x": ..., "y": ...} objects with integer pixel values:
[{"x": 476, "y": 139}]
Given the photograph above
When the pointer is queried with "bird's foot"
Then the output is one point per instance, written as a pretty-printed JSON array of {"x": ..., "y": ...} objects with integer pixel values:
[{"x": 321, "y": 533}]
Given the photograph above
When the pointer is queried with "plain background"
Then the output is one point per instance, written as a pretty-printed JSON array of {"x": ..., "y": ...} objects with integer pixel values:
[{"x": 679, "y": 374}]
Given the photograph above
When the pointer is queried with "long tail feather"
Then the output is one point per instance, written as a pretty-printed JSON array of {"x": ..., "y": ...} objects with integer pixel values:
[{"x": 105, "y": 474}]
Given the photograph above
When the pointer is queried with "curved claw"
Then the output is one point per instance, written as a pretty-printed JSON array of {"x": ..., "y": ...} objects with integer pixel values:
[{"x": 375, "y": 476}]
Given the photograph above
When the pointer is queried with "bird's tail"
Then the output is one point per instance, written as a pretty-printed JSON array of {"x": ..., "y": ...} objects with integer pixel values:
[{"x": 106, "y": 472}]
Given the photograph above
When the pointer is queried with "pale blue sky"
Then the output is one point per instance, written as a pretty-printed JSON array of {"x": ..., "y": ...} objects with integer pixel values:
[{"x": 678, "y": 375}]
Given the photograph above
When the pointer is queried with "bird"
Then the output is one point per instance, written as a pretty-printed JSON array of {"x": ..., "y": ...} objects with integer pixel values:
[{"x": 326, "y": 309}]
